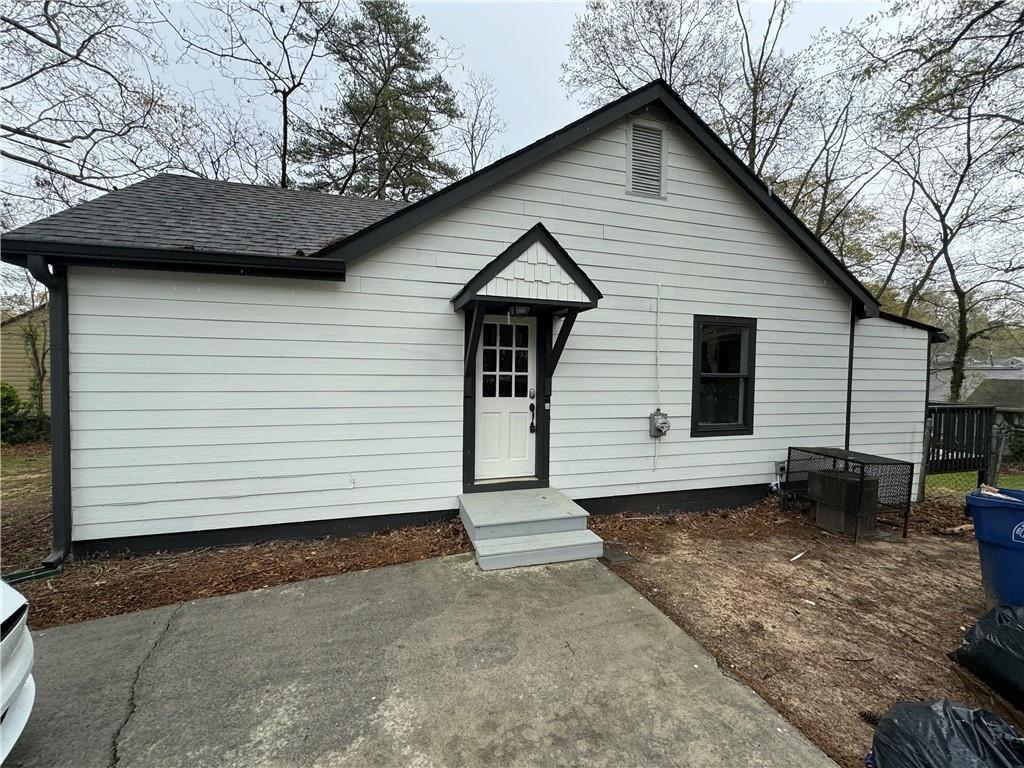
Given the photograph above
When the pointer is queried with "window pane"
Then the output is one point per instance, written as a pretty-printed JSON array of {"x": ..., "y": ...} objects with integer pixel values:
[
  {"x": 505, "y": 335},
  {"x": 522, "y": 360},
  {"x": 522, "y": 336},
  {"x": 489, "y": 385},
  {"x": 521, "y": 382},
  {"x": 721, "y": 401},
  {"x": 490, "y": 360},
  {"x": 505, "y": 360},
  {"x": 505, "y": 386},
  {"x": 490, "y": 334},
  {"x": 723, "y": 349}
]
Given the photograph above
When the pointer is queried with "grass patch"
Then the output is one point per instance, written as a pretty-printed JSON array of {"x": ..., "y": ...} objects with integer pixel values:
[{"x": 968, "y": 481}]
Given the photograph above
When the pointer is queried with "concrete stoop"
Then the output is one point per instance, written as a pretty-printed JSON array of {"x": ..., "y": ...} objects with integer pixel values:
[{"x": 529, "y": 527}]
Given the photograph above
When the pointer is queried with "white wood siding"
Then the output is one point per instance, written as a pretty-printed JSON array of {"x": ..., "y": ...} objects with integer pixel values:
[
  {"x": 535, "y": 274},
  {"x": 890, "y": 385},
  {"x": 202, "y": 402}
]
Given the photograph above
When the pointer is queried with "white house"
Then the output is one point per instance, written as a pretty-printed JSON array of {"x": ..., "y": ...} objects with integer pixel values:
[{"x": 235, "y": 362}]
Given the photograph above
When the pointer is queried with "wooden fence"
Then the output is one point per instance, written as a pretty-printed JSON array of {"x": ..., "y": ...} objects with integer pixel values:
[{"x": 960, "y": 439}]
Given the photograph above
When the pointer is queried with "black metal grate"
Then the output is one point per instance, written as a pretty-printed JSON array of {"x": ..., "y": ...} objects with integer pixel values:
[{"x": 894, "y": 478}]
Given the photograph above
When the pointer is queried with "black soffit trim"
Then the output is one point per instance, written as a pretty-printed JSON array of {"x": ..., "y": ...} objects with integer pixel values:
[
  {"x": 16, "y": 251},
  {"x": 659, "y": 91},
  {"x": 538, "y": 233}
]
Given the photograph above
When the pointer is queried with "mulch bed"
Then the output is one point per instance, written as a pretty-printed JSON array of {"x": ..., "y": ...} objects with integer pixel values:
[{"x": 111, "y": 585}]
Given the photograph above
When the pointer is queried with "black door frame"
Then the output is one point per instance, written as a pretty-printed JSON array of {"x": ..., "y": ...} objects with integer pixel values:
[{"x": 474, "y": 315}]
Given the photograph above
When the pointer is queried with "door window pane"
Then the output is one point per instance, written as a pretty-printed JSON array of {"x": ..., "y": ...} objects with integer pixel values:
[
  {"x": 490, "y": 334},
  {"x": 504, "y": 386},
  {"x": 505, "y": 360},
  {"x": 505, "y": 335},
  {"x": 490, "y": 360},
  {"x": 522, "y": 360},
  {"x": 489, "y": 385},
  {"x": 522, "y": 336},
  {"x": 521, "y": 382}
]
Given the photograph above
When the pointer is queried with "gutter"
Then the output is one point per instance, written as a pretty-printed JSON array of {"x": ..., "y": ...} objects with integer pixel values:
[{"x": 56, "y": 282}]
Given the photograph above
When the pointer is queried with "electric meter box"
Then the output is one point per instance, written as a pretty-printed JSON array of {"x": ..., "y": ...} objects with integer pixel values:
[{"x": 660, "y": 425}]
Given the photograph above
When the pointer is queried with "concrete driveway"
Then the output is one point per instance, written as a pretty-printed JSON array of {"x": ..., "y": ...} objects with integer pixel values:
[{"x": 429, "y": 663}]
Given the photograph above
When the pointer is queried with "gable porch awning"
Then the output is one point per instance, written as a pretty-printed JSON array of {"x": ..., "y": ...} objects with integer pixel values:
[{"x": 534, "y": 275}]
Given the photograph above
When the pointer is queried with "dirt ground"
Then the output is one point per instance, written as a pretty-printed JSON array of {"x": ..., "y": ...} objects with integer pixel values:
[
  {"x": 25, "y": 494},
  {"x": 832, "y": 634}
]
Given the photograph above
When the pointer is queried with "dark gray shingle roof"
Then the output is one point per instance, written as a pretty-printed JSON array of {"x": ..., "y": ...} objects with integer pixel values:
[
  {"x": 1008, "y": 393},
  {"x": 184, "y": 213}
]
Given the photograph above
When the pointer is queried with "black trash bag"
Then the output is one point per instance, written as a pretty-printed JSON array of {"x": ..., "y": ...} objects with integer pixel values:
[
  {"x": 945, "y": 734},
  {"x": 994, "y": 651}
]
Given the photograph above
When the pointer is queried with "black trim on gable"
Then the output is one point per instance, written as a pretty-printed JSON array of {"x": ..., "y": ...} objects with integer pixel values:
[
  {"x": 17, "y": 252},
  {"x": 375, "y": 235},
  {"x": 538, "y": 233}
]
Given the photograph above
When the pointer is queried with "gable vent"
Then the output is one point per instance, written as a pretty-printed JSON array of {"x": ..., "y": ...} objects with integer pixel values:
[{"x": 646, "y": 161}]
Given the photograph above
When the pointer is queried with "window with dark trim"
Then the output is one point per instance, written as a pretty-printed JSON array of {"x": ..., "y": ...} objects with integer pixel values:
[{"x": 723, "y": 375}]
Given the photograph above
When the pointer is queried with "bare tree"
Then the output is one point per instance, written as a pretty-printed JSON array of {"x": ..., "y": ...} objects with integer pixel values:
[
  {"x": 481, "y": 123},
  {"x": 973, "y": 213},
  {"x": 77, "y": 105},
  {"x": 757, "y": 106},
  {"x": 266, "y": 47},
  {"x": 619, "y": 45}
]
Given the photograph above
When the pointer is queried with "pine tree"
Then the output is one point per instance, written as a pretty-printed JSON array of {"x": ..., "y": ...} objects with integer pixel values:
[{"x": 384, "y": 135}]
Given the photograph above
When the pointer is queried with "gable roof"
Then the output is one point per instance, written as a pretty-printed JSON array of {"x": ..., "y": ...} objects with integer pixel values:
[
  {"x": 179, "y": 222},
  {"x": 169, "y": 220},
  {"x": 1006, "y": 393},
  {"x": 352, "y": 246},
  {"x": 538, "y": 234}
]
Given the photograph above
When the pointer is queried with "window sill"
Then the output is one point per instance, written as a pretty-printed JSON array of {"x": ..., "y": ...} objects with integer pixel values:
[{"x": 720, "y": 432}]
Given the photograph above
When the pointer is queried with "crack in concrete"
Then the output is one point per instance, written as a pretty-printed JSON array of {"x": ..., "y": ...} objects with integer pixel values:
[{"x": 115, "y": 756}]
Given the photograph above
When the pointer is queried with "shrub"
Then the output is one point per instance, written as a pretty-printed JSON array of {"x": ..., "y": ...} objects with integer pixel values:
[{"x": 19, "y": 422}]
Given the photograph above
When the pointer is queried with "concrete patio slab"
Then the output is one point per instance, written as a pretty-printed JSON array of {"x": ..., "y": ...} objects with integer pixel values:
[{"x": 429, "y": 663}]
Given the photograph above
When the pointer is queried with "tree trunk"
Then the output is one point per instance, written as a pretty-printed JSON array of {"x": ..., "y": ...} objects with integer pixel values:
[
  {"x": 284, "y": 140},
  {"x": 963, "y": 346}
]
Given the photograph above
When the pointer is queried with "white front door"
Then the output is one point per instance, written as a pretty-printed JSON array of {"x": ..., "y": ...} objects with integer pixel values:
[{"x": 506, "y": 371}]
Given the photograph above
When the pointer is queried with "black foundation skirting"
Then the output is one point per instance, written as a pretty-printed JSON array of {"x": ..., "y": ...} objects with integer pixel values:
[
  {"x": 665, "y": 503},
  {"x": 227, "y": 537},
  {"x": 672, "y": 502}
]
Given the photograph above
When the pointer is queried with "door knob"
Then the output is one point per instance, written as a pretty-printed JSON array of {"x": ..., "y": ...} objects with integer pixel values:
[{"x": 533, "y": 414}]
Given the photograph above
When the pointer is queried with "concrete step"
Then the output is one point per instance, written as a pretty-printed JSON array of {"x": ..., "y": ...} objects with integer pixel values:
[
  {"x": 503, "y": 514},
  {"x": 538, "y": 549}
]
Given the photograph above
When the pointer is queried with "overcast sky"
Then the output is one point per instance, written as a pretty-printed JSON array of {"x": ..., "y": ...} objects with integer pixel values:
[{"x": 522, "y": 46}]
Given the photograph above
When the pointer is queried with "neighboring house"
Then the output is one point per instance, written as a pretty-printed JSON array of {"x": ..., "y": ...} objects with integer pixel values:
[
  {"x": 248, "y": 361},
  {"x": 15, "y": 361},
  {"x": 1002, "y": 393},
  {"x": 976, "y": 372}
]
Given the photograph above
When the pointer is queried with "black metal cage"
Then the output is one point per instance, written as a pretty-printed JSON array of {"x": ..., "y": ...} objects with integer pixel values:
[{"x": 847, "y": 488}]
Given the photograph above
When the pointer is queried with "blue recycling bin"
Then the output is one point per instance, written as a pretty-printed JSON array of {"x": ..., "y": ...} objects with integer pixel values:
[{"x": 999, "y": 529}]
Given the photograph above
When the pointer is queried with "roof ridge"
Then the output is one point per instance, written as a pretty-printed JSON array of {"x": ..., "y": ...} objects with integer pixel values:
[{"x": 268, "y": 187}]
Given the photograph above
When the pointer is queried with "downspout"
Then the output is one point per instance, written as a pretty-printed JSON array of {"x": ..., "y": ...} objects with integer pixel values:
[
  {"x": 60, "y": 414},
  {"x": 849, "y": 379}
]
